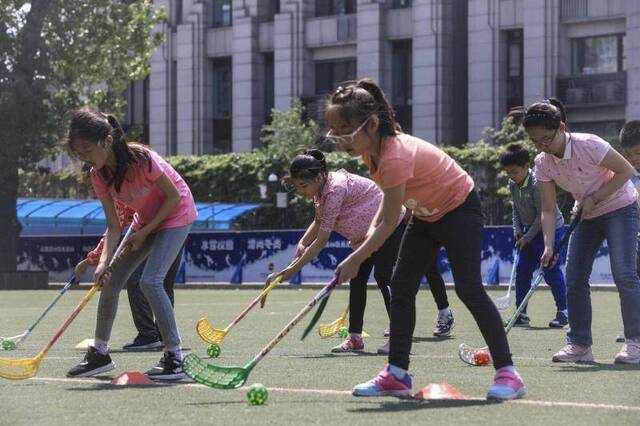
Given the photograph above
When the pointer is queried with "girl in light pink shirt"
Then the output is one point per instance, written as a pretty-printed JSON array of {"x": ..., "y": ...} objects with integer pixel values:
[
  {"x": 446, "y": 212},
  {"x": 347, "y": 204},
  {"x": 164, "y": 211},
  {"x": 598, "y": 178}
]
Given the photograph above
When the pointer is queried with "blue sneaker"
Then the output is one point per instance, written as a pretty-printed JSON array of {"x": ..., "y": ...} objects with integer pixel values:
[
  {"x": 507, "y": 385},
  {"x": 385, "y": 384},
  {"x": 444, "y": 325}
]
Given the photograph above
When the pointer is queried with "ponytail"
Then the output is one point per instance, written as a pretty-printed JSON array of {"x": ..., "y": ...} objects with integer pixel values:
[
  {"x": 308, "y": 165},
  {"x": 354, "y": 102},
  {"x": 548, "y": 114},
  {"x": 94, "y": 127}
]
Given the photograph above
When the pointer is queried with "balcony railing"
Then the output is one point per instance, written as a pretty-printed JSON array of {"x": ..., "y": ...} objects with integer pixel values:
[
  {"x": 573, "y": 9},
  {"x": 593, "y": 90}
]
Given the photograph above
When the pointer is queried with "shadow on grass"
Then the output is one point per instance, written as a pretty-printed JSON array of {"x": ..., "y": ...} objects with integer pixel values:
[
  {"x": 103, "y": 383},
  {"x": 419, "y": 339},
  {"x": 341, "y": 355},
  {"x": 596, "y": 366},
  {"x": 407, "y": 405},
  {"x": 137, "y": 351},
  {"x": 195, "y": 404},
  {"x": 536, "y": 328}
]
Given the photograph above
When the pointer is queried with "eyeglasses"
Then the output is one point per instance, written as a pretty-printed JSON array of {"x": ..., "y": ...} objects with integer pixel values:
[
  {"x": 544, "y": 140},
  {"x": 348, "y": 138}
]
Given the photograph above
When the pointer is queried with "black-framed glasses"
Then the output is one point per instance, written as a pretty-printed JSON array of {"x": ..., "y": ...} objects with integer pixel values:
[{"x": 546, "y": 140}]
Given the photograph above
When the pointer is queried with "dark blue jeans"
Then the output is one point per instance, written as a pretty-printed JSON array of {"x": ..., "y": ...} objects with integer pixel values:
[
  {"x": 529, "y": 262},
  {"x": 619, "y": 228}
]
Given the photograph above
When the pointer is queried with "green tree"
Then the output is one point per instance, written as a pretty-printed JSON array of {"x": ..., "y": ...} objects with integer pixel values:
[
  {"x": 57, "y": 55},
  {"x": 288, "y": 132}
]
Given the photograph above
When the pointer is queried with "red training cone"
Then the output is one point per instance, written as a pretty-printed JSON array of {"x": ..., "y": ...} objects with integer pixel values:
[
  {"x": 439, "y": 391},
  {"x": 132, "y": 378}
]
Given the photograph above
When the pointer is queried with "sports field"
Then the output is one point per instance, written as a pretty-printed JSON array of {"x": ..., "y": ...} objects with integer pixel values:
[{"x": 306, "y": 383}]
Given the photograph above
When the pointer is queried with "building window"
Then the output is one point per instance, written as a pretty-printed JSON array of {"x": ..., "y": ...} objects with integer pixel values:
[
  {"x": 176, "y": 12},
  {"x": 221, "y": 13},
  {"x": 136, "y": 112},
  {"x": 270, "y": 9},
  {"x": 400, "y": 4},
  {"x": 173, "y": 143},
  {"x": 515, "y": 80},
  {"x": 608, "y": 130},
  {"x": 330, "y": 73},
  {"x": 402, "y": 82},
  {"x": 222, "y": 105},
  {"x": 269, "y": 86},
  {"x": 335, "y": 7},
  {"x": 597, "y": 55}
]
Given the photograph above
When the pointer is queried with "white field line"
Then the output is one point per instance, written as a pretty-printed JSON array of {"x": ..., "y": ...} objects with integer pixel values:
[{"x": 568, "y": 404}]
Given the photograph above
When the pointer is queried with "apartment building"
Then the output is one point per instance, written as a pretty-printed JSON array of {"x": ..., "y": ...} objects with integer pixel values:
[{"x": 450, "y": 67}]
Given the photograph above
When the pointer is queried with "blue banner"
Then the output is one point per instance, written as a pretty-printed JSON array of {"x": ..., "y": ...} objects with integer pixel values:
[{"x": 224, "y": 257}]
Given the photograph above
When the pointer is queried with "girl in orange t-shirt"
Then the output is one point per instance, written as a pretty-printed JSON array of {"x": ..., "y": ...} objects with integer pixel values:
[{"x": 446, "y": 213}]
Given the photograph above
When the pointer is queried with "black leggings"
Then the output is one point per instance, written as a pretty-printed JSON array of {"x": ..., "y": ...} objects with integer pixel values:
[
  {"x": 384, "y": 259},
  {"x": 460, "y": 232},
  {"x": 436, "y": 285}
]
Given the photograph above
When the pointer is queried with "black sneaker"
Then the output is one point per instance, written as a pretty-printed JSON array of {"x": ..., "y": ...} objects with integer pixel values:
[
  {"x": 169, "y": 368},
  {"x": 143, "y": 342},
  {"x": 620, "y": 338},
  {"x": 522, "y": 321},
  {"x": 444, "y": 325},
  {"x": 93, "y": 363},
  {"x": 559, "y": 321}
]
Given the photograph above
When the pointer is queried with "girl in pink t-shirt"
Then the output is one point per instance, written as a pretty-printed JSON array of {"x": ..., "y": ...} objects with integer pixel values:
[
  {"x": 446, "y": 212},
  {"x": 164, "y": 211},
  {"x": 598, "y": 178},
  {"x": 347, "y": 204}
]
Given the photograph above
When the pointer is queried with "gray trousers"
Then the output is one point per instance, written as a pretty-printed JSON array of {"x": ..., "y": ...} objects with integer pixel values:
[{"x": 159, "y": 250}]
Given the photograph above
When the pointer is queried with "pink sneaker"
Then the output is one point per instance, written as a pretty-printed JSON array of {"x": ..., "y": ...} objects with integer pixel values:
[
  {"x": 507, "y": 385},
  {"x": 384, "y": 384},
  {"x": 351, "y": 344}
]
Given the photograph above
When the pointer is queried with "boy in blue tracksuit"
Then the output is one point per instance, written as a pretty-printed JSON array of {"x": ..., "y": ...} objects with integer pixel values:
[{"x": 527, "y": 208}]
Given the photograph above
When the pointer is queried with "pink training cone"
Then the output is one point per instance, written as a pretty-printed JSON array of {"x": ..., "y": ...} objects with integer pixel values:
[
  {"x": 439, "y": 391},
  {"x": 132, "y": 378}
]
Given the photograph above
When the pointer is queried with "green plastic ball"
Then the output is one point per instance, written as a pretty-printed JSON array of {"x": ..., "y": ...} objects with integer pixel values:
[
  {"x": 343, "y": 332},
  {"x": 8, "y": 345},
  {"x": 257, "y": 394},
  {"x": 213, "y": 350}
]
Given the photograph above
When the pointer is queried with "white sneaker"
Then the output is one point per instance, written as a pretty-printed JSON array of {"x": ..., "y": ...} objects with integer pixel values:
[
  {"x": 384, "y": 349},
  {"x": 630, "y": 352},
  {"x": 573, "y": 353}
]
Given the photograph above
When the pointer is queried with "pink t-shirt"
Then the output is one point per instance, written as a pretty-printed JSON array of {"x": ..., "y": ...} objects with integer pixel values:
[
  {"x": 434, "y": 183},
  {"x": 139, "y": 191},
  {"x": 347, "y": 204},
  {"x": 579, "y": 172}
]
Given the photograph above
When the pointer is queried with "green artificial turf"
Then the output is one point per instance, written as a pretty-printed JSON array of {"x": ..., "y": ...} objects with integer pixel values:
[{"x": 305, "y": 369}]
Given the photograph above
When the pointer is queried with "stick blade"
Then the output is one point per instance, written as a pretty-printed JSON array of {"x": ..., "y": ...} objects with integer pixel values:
[
  {"x": 19, "y": 369},
  {"x": 214, "y": 376},
  {"x": 502, "y": 303},
  {"x": 209, "y": 333},
  {"x": 330, "y": 330},
  {"x": 316, "y": 317},
  {"x": 477, "y": 357}
]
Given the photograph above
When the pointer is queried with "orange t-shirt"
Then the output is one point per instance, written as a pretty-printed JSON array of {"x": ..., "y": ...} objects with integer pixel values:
[{"x": 434, "y": 183}]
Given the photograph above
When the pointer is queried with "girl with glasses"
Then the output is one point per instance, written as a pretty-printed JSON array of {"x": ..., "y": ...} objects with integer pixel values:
[
  {"x": 598, "y": 178},
  {"x": 446, "y": 212}
]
